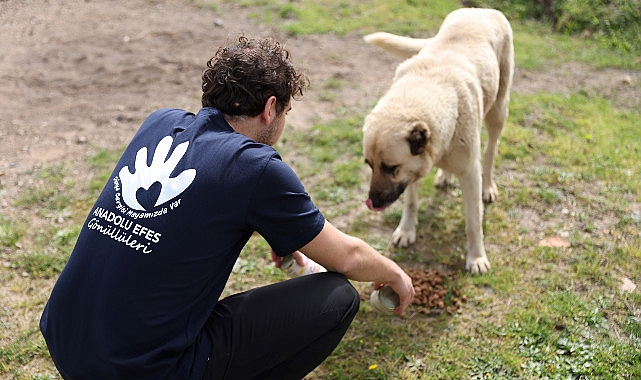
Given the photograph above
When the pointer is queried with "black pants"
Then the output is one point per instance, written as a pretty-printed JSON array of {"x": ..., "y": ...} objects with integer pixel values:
[{"x": 280, "y": 331}]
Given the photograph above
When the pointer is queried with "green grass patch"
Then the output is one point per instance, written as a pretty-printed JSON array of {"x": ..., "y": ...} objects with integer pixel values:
[
  {"x": 50, "y": 253},
  {"x": 26, "y": 346},
  {"x": 542, "y": 310},
  {"x": 537, "y": 44},
  {"x": 578, "y": 140},
  {"x": 49, "y": 192},
  {"x": 102, "y": 162},
  {"x": 562, "y": 335},
  {"x": 562, "y": 330},
  {"x": 614, "y": 23},
  {"x": 56, "y": 196},
  {"x": 10, "y": 232},
  {"x": 332, "y": 155},
  {"x": 409, "y": 17}
]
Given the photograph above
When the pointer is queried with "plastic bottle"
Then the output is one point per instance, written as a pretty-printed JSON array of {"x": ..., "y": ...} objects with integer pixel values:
[{"x": 292, "y": 269}]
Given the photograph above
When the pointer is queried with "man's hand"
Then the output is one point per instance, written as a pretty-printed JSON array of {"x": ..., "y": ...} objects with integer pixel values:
[
  {"x": 405, "y": 291},
  {"x": 298, "y": 256}
]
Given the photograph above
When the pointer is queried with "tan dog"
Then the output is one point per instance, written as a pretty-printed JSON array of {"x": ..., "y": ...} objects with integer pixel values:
[{"x": 432, "y": 116}]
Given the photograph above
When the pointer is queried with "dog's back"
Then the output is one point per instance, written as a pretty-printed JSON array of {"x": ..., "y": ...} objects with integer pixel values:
[
  {"x": 462, "y": 30},
  {"x": 472, "y": 39}
]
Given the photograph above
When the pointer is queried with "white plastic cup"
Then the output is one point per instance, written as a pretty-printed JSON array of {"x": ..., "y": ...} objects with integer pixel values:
[{"x": 384, "y": 300}]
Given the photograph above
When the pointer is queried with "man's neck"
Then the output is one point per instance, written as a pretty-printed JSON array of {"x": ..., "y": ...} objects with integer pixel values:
[{"x": 244, "y": 125}]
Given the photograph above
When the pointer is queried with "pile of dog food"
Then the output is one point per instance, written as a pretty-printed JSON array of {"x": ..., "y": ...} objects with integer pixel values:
[{"x": 434, "y": 293}]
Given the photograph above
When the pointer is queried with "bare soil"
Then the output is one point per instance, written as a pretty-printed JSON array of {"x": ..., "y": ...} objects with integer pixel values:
[{"x": 77, "y": 76}]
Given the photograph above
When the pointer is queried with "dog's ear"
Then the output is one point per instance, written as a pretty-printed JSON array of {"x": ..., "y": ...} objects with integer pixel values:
[{"x": 418, "y": 138}]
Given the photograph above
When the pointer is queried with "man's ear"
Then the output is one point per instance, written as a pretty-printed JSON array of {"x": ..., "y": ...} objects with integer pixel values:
[
  {"x": 269, "y": 112},
  {"x": 418, "y": 137}
]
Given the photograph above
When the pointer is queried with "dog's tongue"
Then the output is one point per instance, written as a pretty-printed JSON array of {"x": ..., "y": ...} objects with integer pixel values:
[{"x": 370, "y": 205}]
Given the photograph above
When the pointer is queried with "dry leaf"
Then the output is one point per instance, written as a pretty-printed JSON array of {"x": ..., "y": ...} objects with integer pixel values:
[{"x": 553, "y": 242}]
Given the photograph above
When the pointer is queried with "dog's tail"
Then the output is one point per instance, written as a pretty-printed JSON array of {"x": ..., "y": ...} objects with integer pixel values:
[{"x": 400, "y": 46}]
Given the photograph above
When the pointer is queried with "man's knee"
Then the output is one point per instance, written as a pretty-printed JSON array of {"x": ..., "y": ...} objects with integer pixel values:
[{"x": 344, "y": 294}]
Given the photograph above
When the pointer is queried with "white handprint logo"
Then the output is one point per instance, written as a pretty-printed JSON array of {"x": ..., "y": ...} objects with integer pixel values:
[{"x": 159, "y": 171}]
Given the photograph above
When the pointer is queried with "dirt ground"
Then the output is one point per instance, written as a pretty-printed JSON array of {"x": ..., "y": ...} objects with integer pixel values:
[{"x": 76, "y": 76}]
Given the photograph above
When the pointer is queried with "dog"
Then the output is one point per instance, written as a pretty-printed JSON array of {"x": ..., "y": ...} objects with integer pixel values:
[{"x": 432, "y": 115}]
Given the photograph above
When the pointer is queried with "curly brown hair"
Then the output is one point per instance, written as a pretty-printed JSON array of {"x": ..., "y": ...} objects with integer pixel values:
[{"x": 240, "y": 78}]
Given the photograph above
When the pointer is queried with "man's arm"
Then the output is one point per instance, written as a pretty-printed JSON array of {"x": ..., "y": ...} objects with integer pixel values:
[{"x": 358, "y": 261}]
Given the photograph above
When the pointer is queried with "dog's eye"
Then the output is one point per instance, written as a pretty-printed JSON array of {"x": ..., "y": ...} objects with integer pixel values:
[{"x": 388, "y": 169}]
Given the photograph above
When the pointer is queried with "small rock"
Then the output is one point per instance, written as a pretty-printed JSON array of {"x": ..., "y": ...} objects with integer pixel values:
[
  {"x": 553, "y": 242},
  {"x": 626, "y": 80},
  {"x": 627, "y": 285}
]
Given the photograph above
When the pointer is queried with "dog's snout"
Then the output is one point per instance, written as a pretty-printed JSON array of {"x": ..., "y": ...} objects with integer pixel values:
[
  {"x": 374, "y": 202},
  {"x": 379, "y": 199}
]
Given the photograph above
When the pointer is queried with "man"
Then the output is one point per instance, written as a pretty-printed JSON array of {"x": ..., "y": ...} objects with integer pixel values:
[{"x": 138, "y": 298}]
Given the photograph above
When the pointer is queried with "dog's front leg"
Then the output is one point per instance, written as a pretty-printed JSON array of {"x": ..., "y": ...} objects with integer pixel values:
[
  {"x": 471, "y": 189},
  {"x": 405, "y": 233}
]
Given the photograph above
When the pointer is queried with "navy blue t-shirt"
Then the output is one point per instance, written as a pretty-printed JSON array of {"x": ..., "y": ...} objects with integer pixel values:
[{"x": 158, "y": 247}]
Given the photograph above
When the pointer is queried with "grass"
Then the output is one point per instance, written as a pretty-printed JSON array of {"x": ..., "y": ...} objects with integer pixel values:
[
  {"x": 563, "y": 317},
  {"x": 536, "y": 44},
  {"x": 568, "y": 167},
  {"x": 342, "y": 17}
]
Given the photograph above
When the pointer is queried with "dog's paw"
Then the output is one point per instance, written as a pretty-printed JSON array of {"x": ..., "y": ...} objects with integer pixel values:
[
  {"x": 490, "y": 194},
  {"x": 478, "y": 265},
  {"x": 402, "y": 238}
]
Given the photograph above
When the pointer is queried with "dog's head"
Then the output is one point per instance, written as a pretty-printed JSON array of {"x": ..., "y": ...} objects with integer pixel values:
[{"x": 398, "y": 151}]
